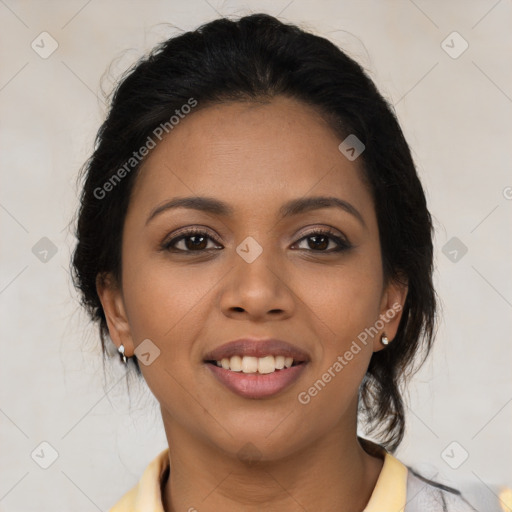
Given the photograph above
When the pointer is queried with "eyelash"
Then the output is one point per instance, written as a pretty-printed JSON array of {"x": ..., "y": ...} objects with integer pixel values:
[{"x": 342, "y": 244}]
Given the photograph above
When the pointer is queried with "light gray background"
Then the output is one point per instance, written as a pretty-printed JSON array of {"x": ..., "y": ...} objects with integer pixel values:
[{"x": 456, "y": 114}]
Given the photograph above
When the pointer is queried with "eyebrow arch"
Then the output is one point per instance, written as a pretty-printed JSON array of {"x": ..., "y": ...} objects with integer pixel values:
[{"x": 293, "y": 207}]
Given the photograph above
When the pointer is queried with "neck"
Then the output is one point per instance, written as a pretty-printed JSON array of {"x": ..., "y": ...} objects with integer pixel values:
[{"x": 333, "y": 470}]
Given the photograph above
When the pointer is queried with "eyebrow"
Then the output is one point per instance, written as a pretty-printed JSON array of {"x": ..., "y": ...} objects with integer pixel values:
[{"x": 293, "y": 207}]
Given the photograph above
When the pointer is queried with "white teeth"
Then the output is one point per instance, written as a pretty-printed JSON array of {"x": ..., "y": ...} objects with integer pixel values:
[
  {"x": 279, "y": 362},
  {"x": 249, "y": 364},
  {"x": 235, "y": 364},
  {"x": 266, "y": 364}
]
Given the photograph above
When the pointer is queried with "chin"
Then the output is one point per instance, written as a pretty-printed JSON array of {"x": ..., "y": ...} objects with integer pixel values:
[{"x": 260, "y": 447}]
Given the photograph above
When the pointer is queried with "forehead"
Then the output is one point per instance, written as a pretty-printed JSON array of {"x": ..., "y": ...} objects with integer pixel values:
[{"x": 249, "y": 152}]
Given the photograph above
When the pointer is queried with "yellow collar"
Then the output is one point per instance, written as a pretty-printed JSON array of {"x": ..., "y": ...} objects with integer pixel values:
[{"x": 389, "y": 494}]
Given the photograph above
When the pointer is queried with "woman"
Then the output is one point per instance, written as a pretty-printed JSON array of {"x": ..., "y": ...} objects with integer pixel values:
[{"x": 253, "y": 231}]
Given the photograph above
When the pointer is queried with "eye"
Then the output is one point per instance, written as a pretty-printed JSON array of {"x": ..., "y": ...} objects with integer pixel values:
[
  {"x": 192, "y": 240},
  {"x": 321, "y": 239},
  {"x": 196, "y": 240}
]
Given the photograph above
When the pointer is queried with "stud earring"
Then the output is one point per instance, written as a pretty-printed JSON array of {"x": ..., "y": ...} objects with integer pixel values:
[
  {"x": 121, "y": 352},
  {"x": 384, "y": 340}
]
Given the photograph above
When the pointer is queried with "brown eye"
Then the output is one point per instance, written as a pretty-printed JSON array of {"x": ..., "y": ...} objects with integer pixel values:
[
  {"x": 191, "y": 241},
  {"x": 318, "y": 241}
]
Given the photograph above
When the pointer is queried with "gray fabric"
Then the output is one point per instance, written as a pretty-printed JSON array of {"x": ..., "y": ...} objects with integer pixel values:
[{"x": 424, "y": 495}]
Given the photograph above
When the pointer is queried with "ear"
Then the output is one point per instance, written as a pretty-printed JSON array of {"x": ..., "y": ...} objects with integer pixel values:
[
  {"x": 391, "y": 308},
  {"x": 112, "y": 301}
]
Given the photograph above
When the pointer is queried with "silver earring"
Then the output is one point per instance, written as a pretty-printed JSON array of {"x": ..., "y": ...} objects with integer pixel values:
[
  {"x": 384, "y": 340},
  {"x": 121, "y": 352}
]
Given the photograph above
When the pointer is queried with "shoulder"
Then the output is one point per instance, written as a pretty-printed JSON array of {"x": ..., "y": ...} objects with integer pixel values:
[
  {"x": 146, "y": 494},
  {"x": 127, "y": 502},
  {"x": 426, "y": 495}
]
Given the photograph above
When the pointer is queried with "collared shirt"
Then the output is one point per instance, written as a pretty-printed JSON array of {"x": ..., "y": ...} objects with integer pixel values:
[{"x": 398, "y": 489}]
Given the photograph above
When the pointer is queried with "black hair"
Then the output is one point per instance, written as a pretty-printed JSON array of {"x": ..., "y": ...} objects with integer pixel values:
[{"x": 256, "y": 58}]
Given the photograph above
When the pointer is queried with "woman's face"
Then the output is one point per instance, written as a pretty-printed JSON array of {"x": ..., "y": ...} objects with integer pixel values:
[{"x": 258, "y": 274}]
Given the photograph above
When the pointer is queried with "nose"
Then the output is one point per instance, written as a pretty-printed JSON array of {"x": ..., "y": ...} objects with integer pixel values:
[{"x": 257, "y": 291}]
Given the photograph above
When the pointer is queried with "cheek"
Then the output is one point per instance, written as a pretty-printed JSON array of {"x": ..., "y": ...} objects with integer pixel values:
[
  {"x": 167, "y": 304},
  {"x": 348, "y": 306},
  {"x": 347, "y": 298},
  {"x": 162, "y": 299},
  {"x": 159, "y": 293}
]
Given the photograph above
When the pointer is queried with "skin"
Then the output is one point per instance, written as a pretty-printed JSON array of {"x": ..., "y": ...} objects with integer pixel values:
[{"x": 254, "y": 156}]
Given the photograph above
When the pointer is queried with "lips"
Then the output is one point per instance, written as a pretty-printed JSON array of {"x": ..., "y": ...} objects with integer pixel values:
[
  {"x": 254, "y": 347},
  {"x": 255, "y": 386},
  {"x": 242, "y": 366}
]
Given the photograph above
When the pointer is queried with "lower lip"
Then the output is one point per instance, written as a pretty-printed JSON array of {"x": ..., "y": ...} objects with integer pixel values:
[{"x": 257, "y": 385}]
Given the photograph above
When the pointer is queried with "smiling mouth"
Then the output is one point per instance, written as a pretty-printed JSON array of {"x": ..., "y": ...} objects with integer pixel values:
[
  {"x": 257, "y": 377},
  {"x": 256, "y": 365}
]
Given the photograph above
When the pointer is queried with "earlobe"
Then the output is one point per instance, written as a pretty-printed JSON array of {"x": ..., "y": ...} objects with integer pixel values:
[
  {"x": 112, "y": 302},
  {"x": 392, "y": 305}
]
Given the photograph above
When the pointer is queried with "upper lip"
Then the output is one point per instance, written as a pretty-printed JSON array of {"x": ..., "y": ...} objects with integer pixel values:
[{"x": 257, "y": 348}]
